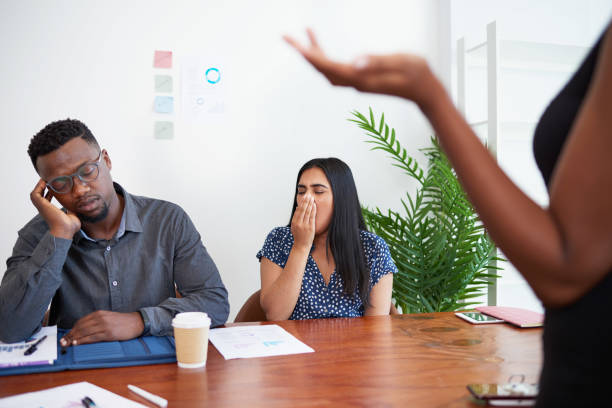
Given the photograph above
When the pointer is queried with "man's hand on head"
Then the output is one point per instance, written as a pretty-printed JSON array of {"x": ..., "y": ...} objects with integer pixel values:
[
  {"x": 104, "y": 325},
  {"x": 60, "y": 224}
]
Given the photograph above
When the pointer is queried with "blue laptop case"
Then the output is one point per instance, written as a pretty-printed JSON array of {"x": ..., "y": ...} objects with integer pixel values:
[{"x": 139, "y": 351}]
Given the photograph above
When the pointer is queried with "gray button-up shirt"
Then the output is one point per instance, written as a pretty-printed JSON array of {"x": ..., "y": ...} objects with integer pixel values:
[{"x": 155, "y": 247}]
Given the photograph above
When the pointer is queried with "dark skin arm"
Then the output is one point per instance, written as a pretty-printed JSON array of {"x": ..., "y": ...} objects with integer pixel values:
[
  {"x": 61, "y": 225},
  {"x": 104, "y": 325},
  {"x": 562, "y": 251},
  {"x": 100, "y": 325}
]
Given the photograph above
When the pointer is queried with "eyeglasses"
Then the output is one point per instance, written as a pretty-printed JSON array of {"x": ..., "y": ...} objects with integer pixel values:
[{"x": 86, "y": 173}]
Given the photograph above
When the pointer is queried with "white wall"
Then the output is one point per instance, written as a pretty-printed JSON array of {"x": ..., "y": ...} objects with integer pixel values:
[
  {"x": 93, "y": 61},
  {"x": 563, "y": 22}
]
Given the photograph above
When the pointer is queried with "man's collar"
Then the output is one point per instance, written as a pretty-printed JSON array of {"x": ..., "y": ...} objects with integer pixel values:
[{"x": 130, "y": 221}]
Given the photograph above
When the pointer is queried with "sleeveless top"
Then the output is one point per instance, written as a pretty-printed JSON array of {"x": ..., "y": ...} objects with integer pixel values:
[{"x": 577, "y": 339}]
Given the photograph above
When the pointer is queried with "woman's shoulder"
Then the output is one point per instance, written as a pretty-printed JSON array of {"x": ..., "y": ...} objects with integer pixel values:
[
  {"x": 280, "y": 234},
  {"x": 378, "y": 255},
  {"x": 371, "y": 240},
  {"x": 277, "y": 245}
]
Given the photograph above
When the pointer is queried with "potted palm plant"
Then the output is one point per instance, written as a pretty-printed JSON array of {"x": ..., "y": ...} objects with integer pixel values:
[{"x": 444, "y": 255}]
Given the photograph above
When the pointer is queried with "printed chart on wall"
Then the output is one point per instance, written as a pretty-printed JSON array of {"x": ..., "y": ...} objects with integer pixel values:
[{"x": 204, "y": 83}]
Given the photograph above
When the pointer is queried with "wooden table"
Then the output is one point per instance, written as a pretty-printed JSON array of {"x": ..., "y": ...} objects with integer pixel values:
[{"x": 403, "y": 360}]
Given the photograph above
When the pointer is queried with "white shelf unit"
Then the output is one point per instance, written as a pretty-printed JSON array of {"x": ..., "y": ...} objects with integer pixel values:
[{"x": 503, "y": 86}]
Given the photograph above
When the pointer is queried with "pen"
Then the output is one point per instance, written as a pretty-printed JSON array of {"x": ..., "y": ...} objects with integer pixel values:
[
  {"x": 34, "y": 347},
  {"x": 148, "y": 396},
  {"x": 88, "y": 402}
]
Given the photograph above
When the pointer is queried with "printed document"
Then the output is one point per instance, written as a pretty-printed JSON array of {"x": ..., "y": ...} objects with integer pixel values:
[
  {"x": 256, "y": 341},
  {"x": 69, "y": 396},
  {"x": 12, "y": 354}
]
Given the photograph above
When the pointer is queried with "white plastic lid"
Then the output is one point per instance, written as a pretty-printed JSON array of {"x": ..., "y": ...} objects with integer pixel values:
[{"x": 191, "y": 320}]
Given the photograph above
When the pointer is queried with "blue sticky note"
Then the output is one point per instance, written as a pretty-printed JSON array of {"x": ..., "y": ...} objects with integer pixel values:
[{"x": 163, "y": 104}]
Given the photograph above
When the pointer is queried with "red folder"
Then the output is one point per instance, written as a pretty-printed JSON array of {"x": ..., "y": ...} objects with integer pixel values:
[{"x": 514, "y": 315}]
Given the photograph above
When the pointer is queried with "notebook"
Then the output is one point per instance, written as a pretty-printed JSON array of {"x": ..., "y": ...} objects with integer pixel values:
[
  {"x": 139, "y": 351},
  {"x": 17, "y": 354}
]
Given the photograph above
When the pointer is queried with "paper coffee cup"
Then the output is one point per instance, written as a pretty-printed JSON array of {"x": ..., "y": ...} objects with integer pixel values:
[{"x": 191, "y": 338}]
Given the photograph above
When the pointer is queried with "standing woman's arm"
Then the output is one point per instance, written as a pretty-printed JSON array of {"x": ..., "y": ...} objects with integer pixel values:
[{"x": 562, "y": 251}]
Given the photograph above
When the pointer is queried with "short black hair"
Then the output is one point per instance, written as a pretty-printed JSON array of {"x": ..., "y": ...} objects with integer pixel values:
[{"x": 55, "y": 135}]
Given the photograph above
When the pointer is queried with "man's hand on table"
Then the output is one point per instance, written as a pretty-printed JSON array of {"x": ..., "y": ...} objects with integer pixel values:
[{"x": 104, "y": 325}]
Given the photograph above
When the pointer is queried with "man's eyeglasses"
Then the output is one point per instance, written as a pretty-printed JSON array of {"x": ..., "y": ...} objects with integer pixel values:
[{"x": 86, "y": 173}]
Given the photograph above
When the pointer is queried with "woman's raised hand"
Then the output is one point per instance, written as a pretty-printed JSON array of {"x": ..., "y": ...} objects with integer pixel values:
[
  {"x": 303, "y": 222},
  {"x": 404, "y": 75}
]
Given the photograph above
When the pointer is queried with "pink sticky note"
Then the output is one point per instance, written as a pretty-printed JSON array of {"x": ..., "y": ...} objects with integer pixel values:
[{"x": 162, "y": 59}]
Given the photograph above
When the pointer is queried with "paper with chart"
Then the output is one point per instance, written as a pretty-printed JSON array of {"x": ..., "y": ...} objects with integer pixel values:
[
  {"x": 256, "y": 341},
  {"x": 204, "y": 88},
  {"x": 68, "y": 396},
  {"x": 11, "y": 354}
]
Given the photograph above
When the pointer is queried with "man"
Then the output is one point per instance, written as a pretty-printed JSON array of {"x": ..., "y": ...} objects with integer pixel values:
[{"x": 108, "y": 262}]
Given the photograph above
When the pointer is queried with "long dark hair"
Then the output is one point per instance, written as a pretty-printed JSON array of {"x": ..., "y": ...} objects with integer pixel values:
[{"x": 343, "y": 236}]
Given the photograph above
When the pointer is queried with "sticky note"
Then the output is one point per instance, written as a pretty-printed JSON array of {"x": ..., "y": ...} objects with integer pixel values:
[
  {"x": 163, "y": 104},
  {"x": 162, "y": 59},
  {"x": 163, "y": 83},
  {"x": 163, "y": 130}
]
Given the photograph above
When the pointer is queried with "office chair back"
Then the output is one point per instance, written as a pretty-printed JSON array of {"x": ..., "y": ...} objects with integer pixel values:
[{"x": 251, "y": 311}]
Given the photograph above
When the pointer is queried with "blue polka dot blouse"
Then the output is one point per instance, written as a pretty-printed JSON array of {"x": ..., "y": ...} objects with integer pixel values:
[{"x": 318, "y": 300}]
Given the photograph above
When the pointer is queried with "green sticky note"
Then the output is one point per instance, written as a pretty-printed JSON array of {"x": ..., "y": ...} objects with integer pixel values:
[
  {"x": 163, "y": 83},
  {"x": 163, "y": 130}
]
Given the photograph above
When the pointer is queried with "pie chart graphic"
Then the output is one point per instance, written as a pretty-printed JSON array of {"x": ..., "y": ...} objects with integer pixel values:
[{"x": 212, "y": 75}]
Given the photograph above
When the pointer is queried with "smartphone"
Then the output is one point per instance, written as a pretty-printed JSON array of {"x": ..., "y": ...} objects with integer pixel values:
[
  {"x": 511, "y": 391},
  {"x": 478, "y": 318}
]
